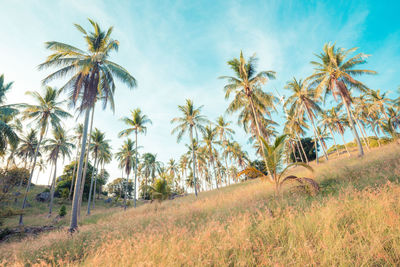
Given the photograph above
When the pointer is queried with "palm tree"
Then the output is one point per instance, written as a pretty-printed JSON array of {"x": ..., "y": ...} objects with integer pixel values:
[
  {"x": 59, "y": 145},
  {"x": 125, "y": 156},
  {"x": 92, "y": 75},
  {"x": 334, "y": 74},
  {"x": 47, "y": 111},
  {"x": 304, "y": 99},
  {"x": 209, "y": 139},
  {"x": 295, "y": 125},
  {"x": 328, "y": 121},
  {"x": 136, "y": 123},
  {"x": 273, "y": 156},
  {"x": 7, "y": 113},
  {"x": 191, "y": 119},
  {"x": 183, "y": 165},
  {"x": 28, "y": 146},
  {"x": 41, "y": 166},
  {"x": 379, "y": 100},
  {"x": 224, "y": 132},
  {"x": 150, "y": 166},
  {"x": 105, "y": 157},
  {"x": 98, "y": 144},
  {"x": 249, "y": 97}
]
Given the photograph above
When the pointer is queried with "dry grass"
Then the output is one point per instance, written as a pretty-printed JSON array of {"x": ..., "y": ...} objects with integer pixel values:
[{"x": 353, "y": 221}]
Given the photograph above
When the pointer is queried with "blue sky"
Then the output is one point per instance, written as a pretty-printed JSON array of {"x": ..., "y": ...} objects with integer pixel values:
[{"x": 177, "y": 49}]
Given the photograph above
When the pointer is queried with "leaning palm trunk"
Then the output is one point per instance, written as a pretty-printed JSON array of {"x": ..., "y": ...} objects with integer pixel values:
[
  {"x": 353, "y": 127},
  {"x": 302, "y": 148},
  {"x": 193, "y": 161},
  {"x": 21, "y": 217},
  {"x": 53, "y": 185},
  {"x": 215, "y": 173},
  {"x": 362, "y": 135},
  {"x": 365, "y": 134},
  {"x": 75, "y": 203},
  {"x": 86, "y": 150},
  {"x": 73, "y": 172},
  {"x": 376, "y": 135},
  {"x": 298, "y": 149},
  {"x": 316, "y": 150},
  {"x": 317, "y": 135},
  {"x": 344, "y": 143},
  {"x": 334, "y": 141},
  {"x": 91, "y": 185}
]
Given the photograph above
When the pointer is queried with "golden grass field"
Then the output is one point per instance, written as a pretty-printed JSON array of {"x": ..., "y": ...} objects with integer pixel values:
[{"x": 353, "y": 221}]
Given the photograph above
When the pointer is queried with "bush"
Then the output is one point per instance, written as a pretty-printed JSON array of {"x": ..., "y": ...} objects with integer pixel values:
[{"x": 63, "y": 211}]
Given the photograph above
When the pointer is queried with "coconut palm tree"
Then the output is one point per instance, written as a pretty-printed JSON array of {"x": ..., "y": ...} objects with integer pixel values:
[
  {"x": 274, "y": 157},
  {"x": 59, "y": 145},
  {"x": 190, "y": 120},
  {"x": 27, "y": 147},
  {"x": 40, "y": 166},
  {"x": 295, "y": 125},
  {"x": 304, "y": 99},
  {"x": 150, "y": 167},
  {"x": 104, "y": 157},
  {"x": 249, "y": 97},
  {"x": 224, "y": 132},
  {"x": 46, "y": 113},
  {"x": 378, "y": 100},
  {"x": 7, "y": 113},
  {"x": 97, "y": 144},
  {"x": 137, "y": 124},
  {"x": 335, "y": 72},
  {"x": 91, "y": 74},
  {"x": 209, "y": 140},
  {"x": 125, "y": 156}
]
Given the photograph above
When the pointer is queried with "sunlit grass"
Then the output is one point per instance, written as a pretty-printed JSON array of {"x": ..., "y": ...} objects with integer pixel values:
[{"x": 353, "y": 221}]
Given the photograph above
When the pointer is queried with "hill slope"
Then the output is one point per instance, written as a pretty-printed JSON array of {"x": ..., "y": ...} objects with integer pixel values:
[{"x": 352, "y": 221}]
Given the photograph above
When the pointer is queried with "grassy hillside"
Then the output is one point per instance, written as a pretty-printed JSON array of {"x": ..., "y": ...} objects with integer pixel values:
[{"x": 352, "y": 221}]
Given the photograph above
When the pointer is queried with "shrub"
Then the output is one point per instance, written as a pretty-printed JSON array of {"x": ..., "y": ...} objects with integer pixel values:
[{"x": 63, "y": 211}]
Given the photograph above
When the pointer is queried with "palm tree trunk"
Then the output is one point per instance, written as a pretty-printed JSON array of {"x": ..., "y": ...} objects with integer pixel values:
[
  {"x": 51, "y": 171},
  {"x": 302, "y": 148},
  {"x": 37, "y": 177},
  {"x": 316, "y": 150},
  {"x": 95, "y": 185},
  {"x": 353, "y": 128},
  {"x": 298, "y": 149},
  {"x": 73, "y": 172},
  {"x": 126, "y": 189},
  {"x": 362, "y": 134},
  {"x": 91, "y": 184},
  {"x": 193, "y": 160},
  {"x": 344, "y": 143},
  {"x": 365, "y": 134},
  {"x": 316, "y": 134},
  {"x": 334, "y": 140},
  {"x": 215, "y": 172},
  {"x": 53, "y": 185},
  {"x": 75, "y": 203},
  {"x": 376, "y": 135},
  {"x": 86, "y": 150},
  {"x": 21, "y": 217},
  {"x": 136, "y": 160}
]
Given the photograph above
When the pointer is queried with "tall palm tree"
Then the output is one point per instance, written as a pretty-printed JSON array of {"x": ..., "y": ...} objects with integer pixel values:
[
  {"x": 328, "y": 121},
  {"x": 105, "y": 157},
  {"x": 150, "y": 167},
  {"x": 183, "y": 166},
  {"x": 304, "y": 99},
  {"x": 246, "y": 85},
  {"x": 210, "y": 139},
  {"x": 334, "y": 74},
  {"x": 46, "y": 112},
  {"x": 41, "y": 166},
  {"x": 28, "y": 146},
  {"x": 98, "y": 144},
  {"x": 125, "y": 156},
  {"x": 91, "y": 74},
  {"x": 59, "y": 145},
  {"x": 224, "y": 132},
  {"x": 190, "y": 120},
  {"x": 7, "y": 113},
  {"x": 379, "y": 100},
  {"x": 137, "y": 124},
  {"x": 296, "y": 125}
]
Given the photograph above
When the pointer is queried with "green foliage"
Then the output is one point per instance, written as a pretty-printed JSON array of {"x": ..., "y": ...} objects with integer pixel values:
[
  {"x": 116, "y": 187},
  {"x": 160, "y": 189},
  {"x": 9, "y": 179},
  {"x": 63, "y": 211},
  {"x": 63, "y": 182}
]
